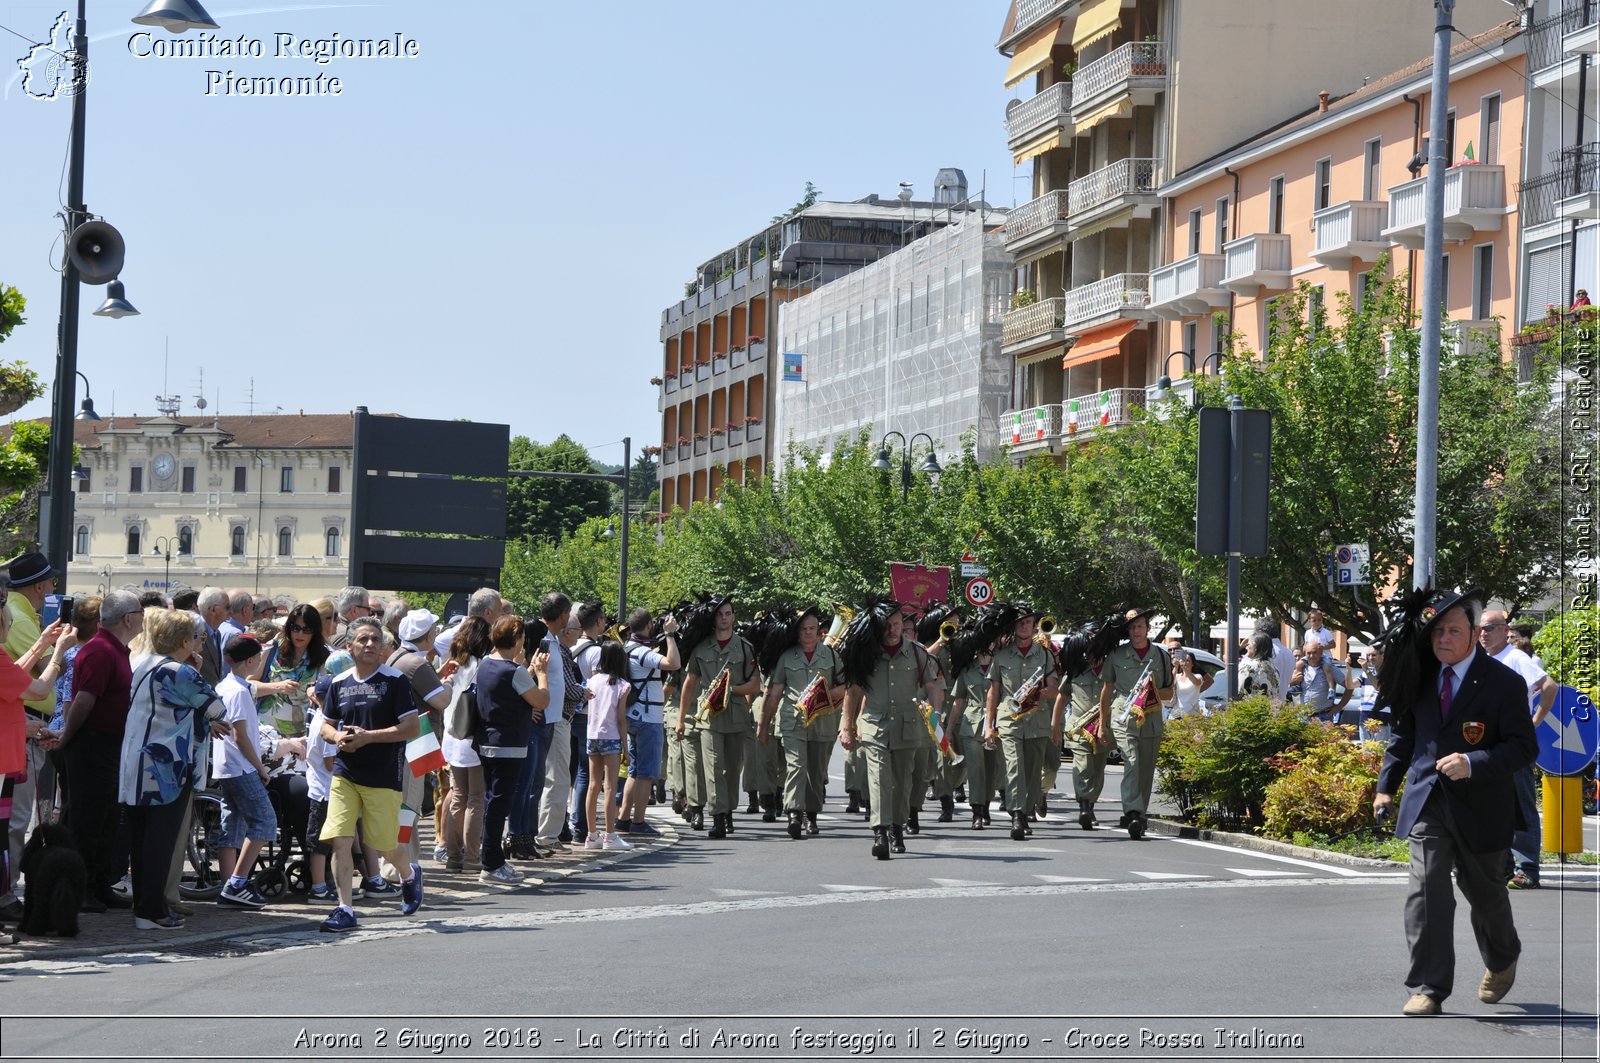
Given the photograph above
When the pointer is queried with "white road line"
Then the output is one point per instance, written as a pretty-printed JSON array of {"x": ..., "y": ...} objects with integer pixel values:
[
  {"x": 745, "y": 893},
  {"x": 1255, "y": 872},
  {"x": 851, "y": 889},
  {"x": 955, "y": 882},
  {"x": 1166, "y": 876},
  {"x": 1065, "y": 879},
  {"x": 1332, "y": 869}
]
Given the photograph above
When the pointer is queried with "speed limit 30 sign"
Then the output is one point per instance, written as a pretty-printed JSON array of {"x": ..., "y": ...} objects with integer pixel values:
[{"x": 980, "y": 591}]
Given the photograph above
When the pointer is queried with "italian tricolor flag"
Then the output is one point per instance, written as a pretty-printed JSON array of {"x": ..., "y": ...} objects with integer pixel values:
[
  {"x": 1105, "y": 408},
  {"x": 423, "y": 752},
  {"x": 408, "y": 823}
]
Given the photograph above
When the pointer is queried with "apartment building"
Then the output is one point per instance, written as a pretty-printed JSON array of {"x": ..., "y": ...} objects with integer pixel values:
[
  {"x": 910, "y": 343},
  {"x": 1119, "y": 96},
  {"x": 718, "y": 364},
  {"x": 1318, "y": 199},
  {"x": 167, "y": 502}
]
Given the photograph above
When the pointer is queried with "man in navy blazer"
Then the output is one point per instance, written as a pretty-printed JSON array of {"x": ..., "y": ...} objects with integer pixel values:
[{"x": 1459, "y": 747}]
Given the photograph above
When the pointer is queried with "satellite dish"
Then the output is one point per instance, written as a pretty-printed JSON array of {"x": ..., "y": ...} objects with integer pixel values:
[{"x": 199, "y": 403}]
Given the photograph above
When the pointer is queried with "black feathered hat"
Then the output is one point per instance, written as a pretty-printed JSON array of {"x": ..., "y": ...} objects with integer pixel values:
[
  {"x": 1408, "y": 660},
  {"x": 1083, "y": 645},
  {"x": 859, "y": 646},
  {"x": 933, "y": 618}
]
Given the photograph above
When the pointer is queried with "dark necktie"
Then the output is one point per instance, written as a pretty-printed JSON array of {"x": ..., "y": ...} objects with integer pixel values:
[{"x": 1444, "y": 693}]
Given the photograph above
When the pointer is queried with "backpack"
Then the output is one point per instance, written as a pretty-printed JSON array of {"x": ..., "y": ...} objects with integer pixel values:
[{"x": 636, "y": 686}]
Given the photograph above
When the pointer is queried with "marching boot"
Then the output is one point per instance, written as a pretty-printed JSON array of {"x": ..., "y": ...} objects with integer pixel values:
[
  {"x": 719, "y": 827},
  {"x": 980, "y": 816},
  {"x": 961, "y": 795},
  {"x": 855, "y": 801},
  {"x": 658, "y": 793},
  {"x": 811, "y": 824},
  {"x": 985, "y": 809},
  {"x": 678, "y": 804},
  {"x": 866, "y": 808},
  {"x": 696, "y": 817},
  {"x": 727, "y": 822},
  {"x": 1019, "y": 826},
  {"x": 1122, "y": 821},
  {"x": 755, "y": 803},
  {"x": 1044, "y": 806},
  {"x": 912, "y": 824},
  {"x": 796, "y": 825},
  {"x": 880, "y": 843},
  {"x": 1086, "y": 818},
  {"x": 897, "y": 839},
  {"x": 1136, "y": 825},
  {"x": 1027, "y": 826},
  {"x": 769, "y": 808},
  {"x": 947, "y": 809}
]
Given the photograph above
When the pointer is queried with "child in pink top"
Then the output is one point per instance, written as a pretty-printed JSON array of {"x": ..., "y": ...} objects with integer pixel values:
[{"x": 608, "y": 728}]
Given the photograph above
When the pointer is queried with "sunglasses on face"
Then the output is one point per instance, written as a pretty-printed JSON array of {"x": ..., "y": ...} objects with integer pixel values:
[{"x": 299, "y": 629}]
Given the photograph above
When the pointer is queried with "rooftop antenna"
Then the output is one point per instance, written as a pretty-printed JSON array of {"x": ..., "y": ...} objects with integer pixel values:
[
  {"x": 200, "y": 397},
  {"x": 166, "y": 405}
]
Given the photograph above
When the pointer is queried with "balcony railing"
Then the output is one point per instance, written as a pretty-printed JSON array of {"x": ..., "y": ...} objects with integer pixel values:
[
  {"x": 1036, "y": 216},
  {"x": 752, "y": 431},
  {"x": 1545, "y": 46},
  {"x": 670, "y": 383},
  {"x": 1350, "y": 230},
  {"x": 1032, "y": 12},
  {"x": 1030, "y": 322},
  {"x": 1188, "y": 287},
  {"x": 1116, "y": 73},
  {"x": 1088, "y": 414},
  {"x": 718, "y": 441},
  {"x": 1258, "y": 261},
  {"x": 684, "y": 453},
  {"x": 699, "y": 447},
  {"x": 736, "y": 357},
  {"x": 1577, "y": 174},
  {"x": 735, "y": 436},
  {"x": 1125, "y": 177},
  {"x": 686, "y": 378},
  {"x": 719, "y": 364},
  {"x": 1474, "y": 201},
  {"x": 1051, "y": 108},
  {"x": 1036, "y": 428},
  {"x": 1113, "y": 297}
]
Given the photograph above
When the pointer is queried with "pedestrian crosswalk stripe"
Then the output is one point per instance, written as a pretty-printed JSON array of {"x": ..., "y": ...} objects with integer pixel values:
[
  {"x": 1063, "y": 879},
  {"x": 1255, "y": 872},
  {"x": 850, "y": 889},
  {"x": 962, "y": 882},
  {"x": 1164, "y": 876},
  {"x": 744, "y": 893},
  {"x": 1332, "y": 869}
]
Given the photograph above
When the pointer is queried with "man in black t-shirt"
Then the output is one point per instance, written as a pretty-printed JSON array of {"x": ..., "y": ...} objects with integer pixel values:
[{"x": 369, "y": 712}]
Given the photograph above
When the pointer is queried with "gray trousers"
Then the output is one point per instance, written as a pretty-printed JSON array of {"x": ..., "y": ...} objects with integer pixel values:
[
  {"x": 1025, "y": 760},
  {"x": 1138, "y": 766},
  {"x": 981, "y": 765},
  {"x": 721, "y": 760},
  {"x": 694, "y": 776},
  {"x": 805, "y": 776},
  {"x": 891, "y": 776},
  {"x": 1430, "y": 914},
  {"x": 855, "y": 771}
]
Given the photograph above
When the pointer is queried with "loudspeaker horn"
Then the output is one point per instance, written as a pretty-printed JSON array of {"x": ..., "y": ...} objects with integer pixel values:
[{"x": 97, "y": 250}]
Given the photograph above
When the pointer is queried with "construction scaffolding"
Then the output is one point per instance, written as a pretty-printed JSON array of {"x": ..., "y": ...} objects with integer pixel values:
[{"x": 910, "y": 343}]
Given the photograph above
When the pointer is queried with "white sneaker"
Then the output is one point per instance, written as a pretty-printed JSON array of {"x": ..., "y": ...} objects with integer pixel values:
[
  {"x": 504, "y": 875},
  {"x": 592, "y": 841},
  {"x": 125, "y": 887},
  {"x": 614, "y": 841}
]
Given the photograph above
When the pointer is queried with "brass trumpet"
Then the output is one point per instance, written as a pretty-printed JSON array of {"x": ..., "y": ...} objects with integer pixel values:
[
  {"x": 842, "y": 615},
  {"x": 1044, "y": 629},
  {"x": 948, "y": 629},
  {"x": 617, "y": 632}
]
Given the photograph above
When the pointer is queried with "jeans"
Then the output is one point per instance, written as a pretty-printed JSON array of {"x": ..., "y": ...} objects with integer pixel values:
[
  {"x": 1525, "y": 844},
  {"x": 580, "y": 774},
  {"x": 500, "y": 777},
  {"x": 530, "y": 782}
]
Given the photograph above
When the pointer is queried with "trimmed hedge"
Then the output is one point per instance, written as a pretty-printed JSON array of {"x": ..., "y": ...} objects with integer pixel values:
[{"x": 1218, "y": 768}]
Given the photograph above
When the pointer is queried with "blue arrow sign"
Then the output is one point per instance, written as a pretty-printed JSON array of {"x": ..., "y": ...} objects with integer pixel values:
[{"x": 1569, "y": 735}]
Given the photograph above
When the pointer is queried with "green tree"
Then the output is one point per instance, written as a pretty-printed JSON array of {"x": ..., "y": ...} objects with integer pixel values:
[
  {"x": 24, "y": 454},
  {"x": 543, "y": 507}
]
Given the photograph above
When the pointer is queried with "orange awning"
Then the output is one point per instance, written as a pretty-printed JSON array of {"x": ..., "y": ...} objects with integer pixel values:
[
  {"x": 1101, "y": 343},
  {"x": 1033, "y": 54}
]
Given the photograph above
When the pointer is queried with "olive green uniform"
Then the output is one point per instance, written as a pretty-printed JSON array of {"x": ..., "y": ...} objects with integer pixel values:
[
  {"x": 892, "y": 731},
  {"x": 946, "y": 775},
  {"x": 981, "y": 764},
  {"x": 722, "y": 737},
  {"x": 1088, "y": 761},
  {"x": 1025, "y": 738},
  {"x": 690, "y": 780},
  {"x": 1139, "y": 742},
  {"x": 806, "y": 750}
]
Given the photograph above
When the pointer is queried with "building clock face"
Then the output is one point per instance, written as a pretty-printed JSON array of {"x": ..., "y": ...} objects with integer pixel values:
[{"x": 163, "y": 466}]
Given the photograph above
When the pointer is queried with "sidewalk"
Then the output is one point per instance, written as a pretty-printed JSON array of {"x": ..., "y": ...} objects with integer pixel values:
[{"x": 114, "y": 932}]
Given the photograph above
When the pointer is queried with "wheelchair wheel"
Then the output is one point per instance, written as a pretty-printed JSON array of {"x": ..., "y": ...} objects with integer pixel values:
[
  {"x": 298, "y": 874},
  {"x": 272, "y": 883},
  {"x": 203, "y": 881}
]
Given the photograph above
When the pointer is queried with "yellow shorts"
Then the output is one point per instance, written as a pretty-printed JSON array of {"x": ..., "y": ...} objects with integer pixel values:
[{"x": 377, "y": 807}]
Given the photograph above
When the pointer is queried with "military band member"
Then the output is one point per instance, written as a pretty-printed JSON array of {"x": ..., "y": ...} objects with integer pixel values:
[
  {"x": 1136, "y": 677},
  {"x": 1087, "y": 726},
  {"x": 722, "y": 733},
  {"x": 805, "y": 668},
  {"x": 971, "y": 651},
  {"x": 889, "y": 677},
  {"x": 1022, "y": 680},
  {"x": 944, "y": 773}
]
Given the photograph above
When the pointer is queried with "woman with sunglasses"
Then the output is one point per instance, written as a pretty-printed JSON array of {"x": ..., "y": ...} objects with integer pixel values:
[{"x": 293, "y": 663}]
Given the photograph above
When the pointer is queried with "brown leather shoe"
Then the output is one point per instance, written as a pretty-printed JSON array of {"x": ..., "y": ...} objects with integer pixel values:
[
  {"x": 1421, "y": 1004},
  {"x": 1496, "y": 984}
]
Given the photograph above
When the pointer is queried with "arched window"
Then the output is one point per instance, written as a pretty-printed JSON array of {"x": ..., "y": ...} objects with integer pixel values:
[
  {"x": 185, "y": 541},
  {"x": 133, "y": 541},
  {"x": 236, "y": 544},
  {"x": 333, "y": 543},
  {"x": 83, "y": 540},
  {"x": 285, "y": 542}
]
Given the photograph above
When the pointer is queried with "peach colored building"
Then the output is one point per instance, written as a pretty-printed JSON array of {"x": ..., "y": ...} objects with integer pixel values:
[{"x": 1318, "y": 199}]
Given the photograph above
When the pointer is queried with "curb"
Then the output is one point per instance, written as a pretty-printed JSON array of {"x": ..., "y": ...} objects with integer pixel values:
[
  {"x": 603, "y": 860},
  {"x": 1173, "y": 829}
]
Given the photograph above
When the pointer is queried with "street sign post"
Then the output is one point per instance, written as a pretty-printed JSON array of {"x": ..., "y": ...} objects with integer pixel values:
[
  {"x": 971, "y": 566},
  {"x": 1352, "y": 564},
  {"x": 1568, "y": 737},
  {"x": 980, "y": 591}
]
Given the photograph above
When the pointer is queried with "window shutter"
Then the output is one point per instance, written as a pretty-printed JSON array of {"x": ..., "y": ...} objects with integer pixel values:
[{"x": 1546, "y": 279}]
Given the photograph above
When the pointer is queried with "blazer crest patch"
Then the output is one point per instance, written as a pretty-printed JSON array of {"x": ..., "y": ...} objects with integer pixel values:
[{"x": 1472, "y": 731}]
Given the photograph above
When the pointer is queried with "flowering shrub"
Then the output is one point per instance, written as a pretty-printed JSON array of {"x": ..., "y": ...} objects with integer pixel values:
[
  {"x": 1217, "y": 768},
  {"x": 1325, "y": 788}
]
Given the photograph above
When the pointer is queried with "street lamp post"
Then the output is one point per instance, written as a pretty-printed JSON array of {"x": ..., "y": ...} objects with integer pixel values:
[
  {"x": 56, "y": 526},
  {"x": 161, "y": 546},
  {"x": 929, "y": 468},
  {"x": 1163, "y": 389}
]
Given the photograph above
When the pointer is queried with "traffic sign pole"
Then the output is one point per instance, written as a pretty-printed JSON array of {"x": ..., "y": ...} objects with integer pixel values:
[{"x": 1563, "y": 814}]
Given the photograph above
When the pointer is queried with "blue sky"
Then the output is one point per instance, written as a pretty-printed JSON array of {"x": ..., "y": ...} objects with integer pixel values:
[{"x": 488, "y": 230}]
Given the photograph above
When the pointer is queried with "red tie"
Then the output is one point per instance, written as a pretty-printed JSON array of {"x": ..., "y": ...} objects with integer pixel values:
[{"x": 1444, "y": 693}]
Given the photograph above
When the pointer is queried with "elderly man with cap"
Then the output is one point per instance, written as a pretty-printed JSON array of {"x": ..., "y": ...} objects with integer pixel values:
[
  {"x": 1022, "y": 680},
  {"x": 1136, "y": 678},
  {"x": 1461, "y": 733},
  {"x": 416, "y": 630},
  {"x": 32, "y": 580}
]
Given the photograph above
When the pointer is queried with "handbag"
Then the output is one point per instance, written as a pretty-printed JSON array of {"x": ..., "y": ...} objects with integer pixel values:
[{"x": 461, "y": 716}]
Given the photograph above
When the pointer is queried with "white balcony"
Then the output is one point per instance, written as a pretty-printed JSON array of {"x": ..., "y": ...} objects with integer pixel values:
[
  {"x": 1127, "y": 295},
  {"x": 1582, "y": 41},
  {"x": 1137, "y": 71},
  {"x": 1474, "y": 202},
  {"x": 1049, "y": 112},
  {"x": 1031, "y": 327},
  {"x": 1350, "y": 231},
  {"x": 1261, "y": 260},
  {"x": 1037, "y": 222},
  {"x": 1189, "y": 287},
  {"x": 1032, "y": 12},
  {"x": 1127, "y": 184},
  {"x": 1086, "y": 415},
  {"x": 1037, "y": 428}
]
